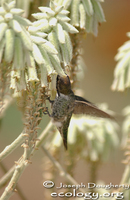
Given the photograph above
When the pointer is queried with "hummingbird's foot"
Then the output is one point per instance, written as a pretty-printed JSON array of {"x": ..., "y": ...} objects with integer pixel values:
[
  {"x": 48, "y": 98},
  {"x": 46, "y": 112}
]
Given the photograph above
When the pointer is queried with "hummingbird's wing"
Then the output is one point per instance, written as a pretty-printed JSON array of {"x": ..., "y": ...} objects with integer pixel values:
[
  {"x": 64, "y": 129},
  {"x": 82, "y": 106}
]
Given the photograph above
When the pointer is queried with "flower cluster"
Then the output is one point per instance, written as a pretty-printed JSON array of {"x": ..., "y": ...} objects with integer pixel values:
[
  {"x": 85, "y": 14},
  {"x": 122, "y": 70}
]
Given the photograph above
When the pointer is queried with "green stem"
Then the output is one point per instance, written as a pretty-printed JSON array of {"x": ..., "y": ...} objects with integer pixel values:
[
  {"x": 18, "y": 141},
  {"x": 10, "y": 148},
  {"x": 6, "y": 177},
  {"x": 12, "y": 184}
]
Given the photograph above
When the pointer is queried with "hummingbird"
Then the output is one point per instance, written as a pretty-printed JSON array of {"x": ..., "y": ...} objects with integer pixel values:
[{"x": 67, "y": 103}]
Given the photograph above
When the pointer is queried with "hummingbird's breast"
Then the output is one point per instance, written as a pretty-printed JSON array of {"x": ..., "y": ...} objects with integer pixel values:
[{"x": 62, "y": 107}]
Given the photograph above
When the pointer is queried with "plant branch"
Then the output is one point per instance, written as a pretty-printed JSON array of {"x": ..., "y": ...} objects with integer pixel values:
[
  {"x": 7, "y": 176},
  {"x": 60, "y": 168},
  {"x": 12, "y": 184},
  {"x": 10, "y": 148},
  {"x": 34, "y": 101},
  {"x": 18, "y": 141}
]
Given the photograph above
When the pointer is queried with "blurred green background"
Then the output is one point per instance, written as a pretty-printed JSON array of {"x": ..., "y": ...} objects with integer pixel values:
[{"x": 99, "y": 58}]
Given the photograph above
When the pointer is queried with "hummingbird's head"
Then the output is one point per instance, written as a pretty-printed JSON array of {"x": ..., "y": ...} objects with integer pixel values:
[{"x": 63, "y": 85}]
